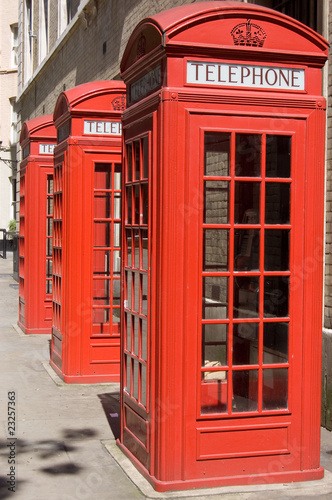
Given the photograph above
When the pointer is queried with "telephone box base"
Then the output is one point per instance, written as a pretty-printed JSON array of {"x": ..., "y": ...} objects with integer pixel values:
[
  {"x": 33, "y": 331},
  {"x": 86, "y": 379},
  {"x": 215, "y": 482}
]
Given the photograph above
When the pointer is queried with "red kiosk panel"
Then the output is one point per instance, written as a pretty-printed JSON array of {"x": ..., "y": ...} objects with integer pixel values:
[
  {"x": 38, "y": 138},
  {"x": 224, "y": 101},
  {"x": 87, "y": 233}
]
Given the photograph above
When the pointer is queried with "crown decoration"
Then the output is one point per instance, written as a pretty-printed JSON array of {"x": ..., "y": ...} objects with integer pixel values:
[
  {"x": 141, "y": 47},
  {"x": 249, "y": 35},
  {"x": 119, "y": 103}
]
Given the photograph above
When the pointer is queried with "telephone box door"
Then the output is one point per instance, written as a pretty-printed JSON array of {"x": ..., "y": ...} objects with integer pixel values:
[{"x": 247, "y": 399}]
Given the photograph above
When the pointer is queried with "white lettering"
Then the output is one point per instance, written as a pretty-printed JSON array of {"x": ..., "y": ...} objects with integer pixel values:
[
  {"x": 240, "y": 75},
  {"x": 46, "y": 149},
  {"x": 101, "y": 127}
]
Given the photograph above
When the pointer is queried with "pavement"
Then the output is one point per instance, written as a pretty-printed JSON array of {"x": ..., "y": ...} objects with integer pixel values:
[{"x": 63, "y": 444}]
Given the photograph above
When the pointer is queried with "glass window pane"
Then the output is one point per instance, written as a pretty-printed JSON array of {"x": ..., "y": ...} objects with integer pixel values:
[
  {"x": 214, "y": 345},
  {"x": 144, "y": 333},
  {"x": 128, "y": 286},
  {"x": 136, "y": 297},
  {"x": 103, "y": 176},
  {"x": 246, "y": 296},
  {"x": 101, "y": 262},
  {"x": 50, "y": 205},
  {"x": 101, "y": 292},
  {"x": 137, "y": 203},
  {"x": 129, "y": 204},
  {"x": 137, "y": 159},
  {"x": 276, "y": 293},
  {"x": 49, "y": 226},
  {"x": 117, "y": 206},
  {"x": 215, "y": 297},
  {"x": 128, "y": 374},
  {"x": 49, "y": 247},
  {"x": 127, "y": 327},
  {"x": 135, "y": 379},
  {"x": 275, "y": 389},
  {"x": 116, "y": 292},
  {"x": 145, "y": 203},
  {"x": 245, "y": 344},
  {"x": 248, "y": 155},
  {"x": 144, "y": 247},
  {"x": 135, "y": 333},
  {"x": 145, "y": 145},
  {"x": 102, "y": 234},
  {"x": 144, "y": 294},
  {"x": 215, "y": 249},
  {"x": 129, "y": 163},
  {"x": 102, "y": 205},
  {"x": 214, "y": 393},
  {"x": 246, "y": 210},
  {"x": 117, "y": 176},
  {"x": 136, "y": 248},
  {"x": 275, "y": 343},
  {"x": 246, "y": 249},
  {"x": 143, "y": 384},
  {"x": 116, "y": 234},
  {"x": 276, "y": 256},
  {"x": 278, "y": 156},
  {"x": 217, "y": 153},
  {"x": 216, "y": 201},
  {"x": 116, "y": 263},
  {"x": 277, "y": 203},
  {"x": 245, "y": 390},
  {"x": 128, "y": 256},
  {"x": 101, "y": 317}
]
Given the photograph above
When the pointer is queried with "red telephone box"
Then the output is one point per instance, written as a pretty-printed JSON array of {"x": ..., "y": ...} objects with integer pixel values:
[
  {"x": 223, "y": 244},
  {"x": 86, "y": 244},
  {"x": 38, "y": 137}
]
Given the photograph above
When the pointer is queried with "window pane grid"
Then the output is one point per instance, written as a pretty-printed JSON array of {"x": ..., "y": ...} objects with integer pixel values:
[
  {"x": 257, "y": 294},
  {"x": 136, "y": 274},
  {"x": 106, "y": 250}
]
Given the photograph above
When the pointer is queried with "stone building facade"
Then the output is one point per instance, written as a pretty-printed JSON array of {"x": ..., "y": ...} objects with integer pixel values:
[{"x": 64, "y": 43}]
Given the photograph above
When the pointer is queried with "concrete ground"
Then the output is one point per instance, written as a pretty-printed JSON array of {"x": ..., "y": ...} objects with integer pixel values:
[{"x": 65, "y": 434}]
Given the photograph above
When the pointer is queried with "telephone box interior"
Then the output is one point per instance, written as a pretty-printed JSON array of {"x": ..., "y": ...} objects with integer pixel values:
[
  {"x": 85, "y": 344},
  {"x": 222, "y": 247},
  {"x": 37, "y": 140}
]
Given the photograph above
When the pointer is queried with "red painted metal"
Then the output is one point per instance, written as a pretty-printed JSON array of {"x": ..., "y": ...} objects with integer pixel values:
[
  {"x": 37, "y": 140},
  {"x": 86, "y": 245},
  {"x": 223, "y": 245}
]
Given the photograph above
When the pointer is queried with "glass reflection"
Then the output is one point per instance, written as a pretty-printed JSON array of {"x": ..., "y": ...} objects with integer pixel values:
[
  {"x": 145, "y": 157},
  {"x": 214, "y": 344},
  {"x": 128, "y": 255},
  {"x": 215, "y": 297},
  {"x": 275, "y": 343},
  {"x": 275, "y": 389},
  {"x": 102, "y": 234},
  {"x": 215, "y": 249},
  {"x": 144, "y": 333},
  {"x": 217, "y": 153},
  {"x": 246, "y": 249},
  {"x": 216, "y": 199},
  {"x": 276, "y": 255},
  {"x": 130, "y": 163},
  {"x": 278, "y": 156},
  {"x": 246, "y": 296},
  {"x": 248, "y": 155},
  {"x": 246, "y": 210},
  {"x": 214, "y": 392},
  {"x": 103, "y": 176},
  {"x": 276, "y": 293},
  {"x": 277, "y": 203},
  {"x": 245, "y": 390},
  {"x": 245, "y": 343}
]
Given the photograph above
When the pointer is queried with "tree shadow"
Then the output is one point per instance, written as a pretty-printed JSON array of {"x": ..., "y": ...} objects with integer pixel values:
[{"x": 111, "y": 406}]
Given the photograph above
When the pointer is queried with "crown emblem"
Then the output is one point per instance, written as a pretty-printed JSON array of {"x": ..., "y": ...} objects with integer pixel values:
[
  {"x": 141, "y": 47},
  {"x": 248, "y": 34},
  {"x": 119, "y": 103}
]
